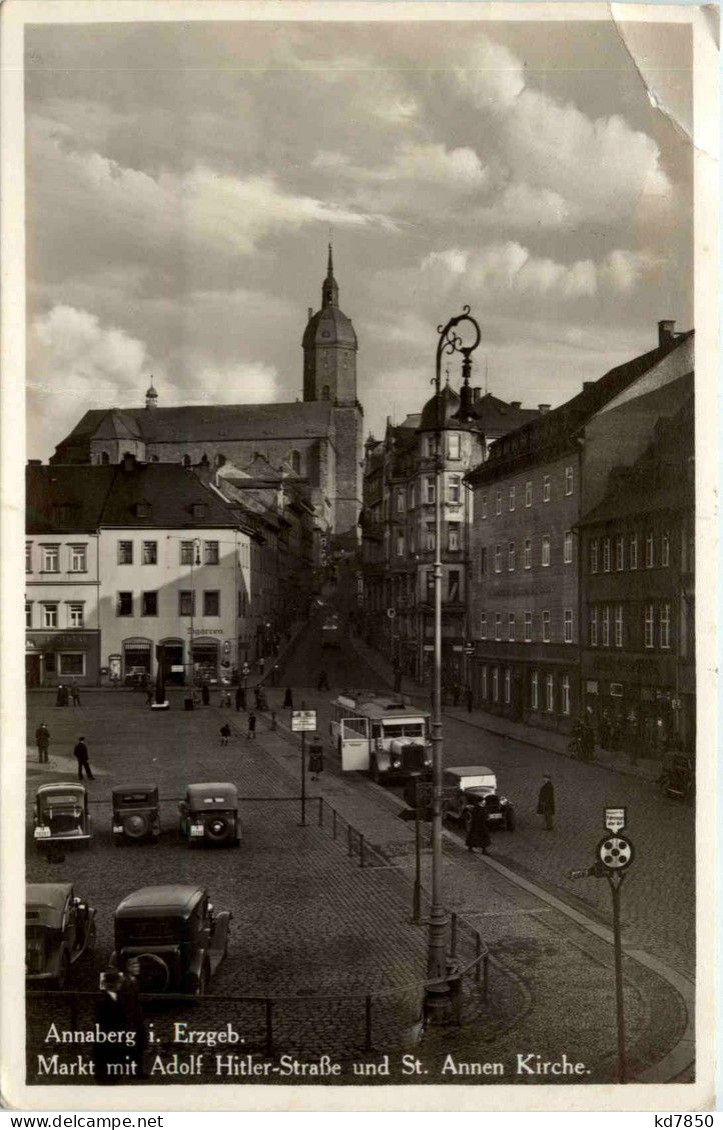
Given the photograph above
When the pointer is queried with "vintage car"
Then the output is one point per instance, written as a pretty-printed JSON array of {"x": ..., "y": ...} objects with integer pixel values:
[
  {"x": 136, "y": 813},
  {"x": 175, "y": 936},
  {"x": 59, "y": 928},
  {"x": 61, "y": 815},
  {"x": 467, "y": 785},
  {"x": 209, "y": 814}
]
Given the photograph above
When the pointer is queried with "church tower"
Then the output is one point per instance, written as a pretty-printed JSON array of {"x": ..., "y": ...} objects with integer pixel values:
[{"x": 330, "y": 348}]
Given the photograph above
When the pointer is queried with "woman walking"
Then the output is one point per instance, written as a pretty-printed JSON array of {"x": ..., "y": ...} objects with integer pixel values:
[{"x": 478, "y": 835}]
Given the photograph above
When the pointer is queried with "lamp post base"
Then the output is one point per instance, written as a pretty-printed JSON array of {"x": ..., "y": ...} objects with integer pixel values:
[{"x": 439, "y": 1005}]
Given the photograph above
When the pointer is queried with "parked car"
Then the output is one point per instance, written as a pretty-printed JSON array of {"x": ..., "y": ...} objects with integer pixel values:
[
  {"x": 467, "y": 785},
  {"x": 176, "y": 936},
  {"x": 61, "y": 815},
  {"x": 137, "y": 677},
  {"x": 136, "y": 813},
  {"x": 209, "y": 814},
  {"x": 59, "y": 929}
]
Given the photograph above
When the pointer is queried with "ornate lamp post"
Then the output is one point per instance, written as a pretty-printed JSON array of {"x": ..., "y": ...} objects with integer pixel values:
[{"x": 449, "y": 342}]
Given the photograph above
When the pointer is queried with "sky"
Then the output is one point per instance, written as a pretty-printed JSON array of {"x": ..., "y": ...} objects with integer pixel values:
[{"x": 183, "y": 181}]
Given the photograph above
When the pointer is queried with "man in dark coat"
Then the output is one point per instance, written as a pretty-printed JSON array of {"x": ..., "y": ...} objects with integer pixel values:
[
  {"x": 119, "y": 1011},
  {"x": 289, "y": 699},
  {"x": 42, "y": 740},
  {"x": 205, "y": 696},
  {"x": 478, "y": 834},
  {"x": 546, "y": 802},
  {"x": 240, "y": 698},
  {"x": 251, "y": 733},
  {"x": 81, "y": 756}
]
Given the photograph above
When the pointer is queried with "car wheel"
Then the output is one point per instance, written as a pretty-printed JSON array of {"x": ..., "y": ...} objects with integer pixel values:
[
  {"x": 510, "y": 820},
  {"x": 61, "y": 979},
  {"x": 136, "y": 826},
  {"x": 219, "y": 829}
]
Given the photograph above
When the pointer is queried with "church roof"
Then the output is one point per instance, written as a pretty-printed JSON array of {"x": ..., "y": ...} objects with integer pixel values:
[
  {"x": 329, "y": 326},
  {"x": 117, "y": 424}
]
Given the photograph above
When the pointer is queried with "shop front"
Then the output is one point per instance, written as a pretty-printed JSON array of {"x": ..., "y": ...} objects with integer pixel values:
[
  {"x": 136, "y": 660},
  {"x": 53, "y": 658},
  {"x": 631, "y": 703},
  {"x": 205, "y": 659}
]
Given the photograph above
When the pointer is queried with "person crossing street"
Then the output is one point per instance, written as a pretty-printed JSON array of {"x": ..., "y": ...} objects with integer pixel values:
[
  {"x": 81, "y": 756},
  {"x": 42, "y": 740}
]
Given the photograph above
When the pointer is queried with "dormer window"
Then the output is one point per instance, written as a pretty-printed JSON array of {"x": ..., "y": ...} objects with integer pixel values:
[
  {"x": 199, "y": 509},
  {"x": 143, "y": 509}
]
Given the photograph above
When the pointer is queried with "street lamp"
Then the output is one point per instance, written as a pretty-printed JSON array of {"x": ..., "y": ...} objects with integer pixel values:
[
  {"x": 437, "y": 994},
  {"x": 195, "y": 560}
]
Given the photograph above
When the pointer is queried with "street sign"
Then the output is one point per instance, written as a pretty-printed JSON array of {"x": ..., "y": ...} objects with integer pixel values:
[
  {"x": 615, "y": 853},
  {"x": 302, "y": 720},
  {"x": 391, "y": 613},
  {"x": 615, "y": 819}
]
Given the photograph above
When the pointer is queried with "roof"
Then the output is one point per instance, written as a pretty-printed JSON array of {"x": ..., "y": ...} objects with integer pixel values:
[
  {"x": 52, "y": 895},
  {"x": 60, "y": 787},
  {"x": 225, "y": 789},
  {"x": 82, "y": 498},
  {"x": 120, "y": 790},
  {"x": 178, "y": 897},
  {"x": 329, "y": 326},
  {"x": 470, "y": 770}
]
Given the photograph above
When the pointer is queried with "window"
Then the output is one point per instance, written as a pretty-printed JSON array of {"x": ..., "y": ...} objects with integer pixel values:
[
  {"x": 483, "y": 625},
  {"x": 78, "y": 559},
  {"x": 75, "y": 615},
  {"x": 50, "y": 615},
  {"x": 665, "y": 550},
  {"x": 104, "y": 458},
  {"x": 431, "y": 446},
  {"x": 527, "y": 554},
  {"x": 534, "y": 690},
  {"x": 665, "y": 625},
  {"x": 649, "y": 625},
  {"x": 545, "y": 550},
  {"x": 528, "y": 493},
  {"x": 483, "y": 686},
  {"x": 212, "y": 602},
  {"x": 568, "y": 625},
  {"x": 411, "y": 496},
  {"x": 210, "y": 553},
  {"x": 51, "y": 559},
  {"x": 149, "y": 604},
  {"x": 606, "y": 555},
  {"x": 512, "y": 498},
  {"x": 495, "y": 684},
  {"x": 498, "y": 559},
  {"x": 545, "y": 627},
  {"x": 454, "y": 489},
  {"x": 124, "y": 604},
  {"x": 483, "y": 506},
  {"x": 545, "y": 488},
  {"x": 511, "y": 557},
  {"x": 649, "y": 550},
  {"x": 606, "y": 626},
  {"x": 498, "y": 625},
  {"x": 567, "y": 548},
  {"x": 125, "y": 552},
  {"x": 186, "y": 603},
  {"x": 483, "y": 561},
  {"x": 633, "y": 551},
  {"x": 498, "y": 502},
  {"x": 189, "y": 553},
  {"x": 400, "y": 500},
  {"x": 429, "y": 489},
  {"x": 400, "y": 544},
  {"x": 28, "y": 613},
  {"x": 430, "y": 539},
  {"x": 453, "y": 532},
  {"x": 28, "y": 557},
  {"x": 508, "y": 686},
  {"x": 566, "y": 694},
  {"x": 528, "y": 627},
  {"x": 619, "y": 553},
  {"x": 295, "y": 456},
  {"x": 593, "y": 627},
  {"x": 453, "y": 445},
  {"x": 511, "y": 627},
  {"x": 593, "y": 555},
  {"x": 49, "y": 662},
  {"x": 568, "y": 480},
  {"x": 550, "y": 693},
  {"x": 72, "y": 663},
  {"x": 618, "y": 625},
  {"x": 198, "y": 509},
  {"x": 150, "y": 552}
]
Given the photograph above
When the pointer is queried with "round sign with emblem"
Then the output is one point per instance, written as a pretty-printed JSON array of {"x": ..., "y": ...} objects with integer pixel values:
[{"x": 615, "y": 852}]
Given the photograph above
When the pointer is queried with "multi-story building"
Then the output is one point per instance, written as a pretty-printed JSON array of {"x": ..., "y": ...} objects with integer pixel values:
[
  {"x": 398, "y": 525},
  {"x": 132, "y": 565},
  {"x": 637, "y": 555},
  {"x": 529, "y": 496}
]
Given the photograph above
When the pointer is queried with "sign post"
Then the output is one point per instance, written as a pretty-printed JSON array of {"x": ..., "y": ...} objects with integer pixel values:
[
  {"x": 301, "y": 722},
  {"x": 616, "y": 853}
]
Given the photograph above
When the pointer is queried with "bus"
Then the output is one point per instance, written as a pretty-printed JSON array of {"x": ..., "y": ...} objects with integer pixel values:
[{"x": 381, "y": 735}]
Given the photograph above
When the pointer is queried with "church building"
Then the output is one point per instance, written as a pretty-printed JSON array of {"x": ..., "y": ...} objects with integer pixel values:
[{"x": 317, "y": 442}]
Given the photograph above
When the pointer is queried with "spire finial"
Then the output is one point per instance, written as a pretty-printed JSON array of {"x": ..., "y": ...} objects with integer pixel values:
[
  {"x": 330, "y": 290},
  {"x": 330, "y": 266},
  {"x": 151, "y": 395}
]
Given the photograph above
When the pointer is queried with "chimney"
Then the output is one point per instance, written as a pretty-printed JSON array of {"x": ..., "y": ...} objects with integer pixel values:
[
  {"x": 475, "y": 394},
  {"x": 515, "y": 404},
  {"x": 311, "y": 312},
  {"x": 544, "y": 409},
  {"x": 666, "y": 332},
  {"x": 35, "y": 462}
]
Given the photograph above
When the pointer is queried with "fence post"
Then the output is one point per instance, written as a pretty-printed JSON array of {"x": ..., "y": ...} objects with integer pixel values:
[
  {"x": 333, "y": 823},
  {"x": 368, "y": 1024},
  {"x": 269, "y": 1026},
  {"x": 478, "y": 954},
  {"x": 321, "y": 811},
  {"x": 350, "y": 840},
  {"x": 453, "y": 941},
  {"x": 361, "y": 850}
]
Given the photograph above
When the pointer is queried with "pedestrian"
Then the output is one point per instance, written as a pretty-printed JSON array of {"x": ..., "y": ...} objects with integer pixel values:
[
  {"x": 273, "y": 721},
  {"x": 81, "y": 756},
  {"x": 42, "y": 740},
  {"x": 260, "y": 665},
  {"x": 205, "y": 696},
  {"x": 469, "y": 697},
  {"x": 397, "y": 677},
  {"x": 75, "y": 693},
  {"x": 59, "y": 701},
  {"x": 316, "y": 758},
  {"x": 275, "y": 675},
  {"x": 225, "y": 732},
  {"x": 240, "y": 699},
  {"x": 478, "y": 835},
  {"x": 289, "y": 699},
  {"x": 150, "y": 695},
  {"x": 604, "y": 730},
  {"x": 546, "y": 802},
  {"x": 226, "y": 697},
  {"x": 118, "y": 1011},
  {"x": 323, "y": 681},
  {"x": 455, "y": 695},
  {"x": 251, "y": 733},
  {"x": 588, "y": 742}
]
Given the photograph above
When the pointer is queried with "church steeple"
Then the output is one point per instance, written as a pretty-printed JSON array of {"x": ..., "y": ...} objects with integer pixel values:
[{"x": 329, "y": 290}]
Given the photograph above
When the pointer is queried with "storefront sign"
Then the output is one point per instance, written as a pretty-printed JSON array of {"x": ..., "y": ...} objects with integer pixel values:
[
  {"x": 204, "y": 631},
  {"x": 302, "y": 720}
]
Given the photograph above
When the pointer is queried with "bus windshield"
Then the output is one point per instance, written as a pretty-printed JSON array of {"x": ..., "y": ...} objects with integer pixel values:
[{"x": 403, "y": 729}]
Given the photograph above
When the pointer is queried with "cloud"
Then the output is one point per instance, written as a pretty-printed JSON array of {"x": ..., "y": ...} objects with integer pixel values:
[{"x": 524, "y": 208}]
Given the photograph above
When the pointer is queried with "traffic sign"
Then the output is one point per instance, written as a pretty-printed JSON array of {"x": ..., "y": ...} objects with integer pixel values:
[
  {"x": 615, "y": 853},
  {"x": 615, "y": 819},
  {"x": 303, "y": 720}
]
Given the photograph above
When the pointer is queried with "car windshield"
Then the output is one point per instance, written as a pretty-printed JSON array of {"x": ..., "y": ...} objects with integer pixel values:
[
  {"x": 59, "y": 798},
  {"x": 159, "y": 928},
  {"x": 134, "y": 798}
]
